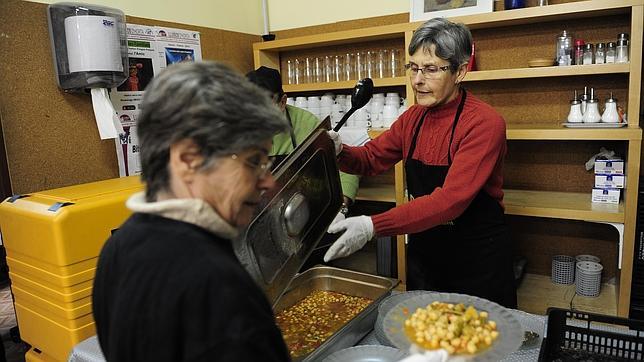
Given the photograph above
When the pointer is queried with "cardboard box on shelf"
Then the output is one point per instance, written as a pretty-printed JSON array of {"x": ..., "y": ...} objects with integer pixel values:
[
  {"x": 610, "y": 181},
  {"x": 609, "y": 167},
  {"x": 606, "y": 196}
]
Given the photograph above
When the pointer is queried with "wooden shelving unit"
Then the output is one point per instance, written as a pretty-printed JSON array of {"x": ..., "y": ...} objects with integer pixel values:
[{"x": 562, "y": 205}]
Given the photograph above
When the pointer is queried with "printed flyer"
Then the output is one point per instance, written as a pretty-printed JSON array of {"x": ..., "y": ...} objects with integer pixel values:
[{"x": 147, "y": 51}]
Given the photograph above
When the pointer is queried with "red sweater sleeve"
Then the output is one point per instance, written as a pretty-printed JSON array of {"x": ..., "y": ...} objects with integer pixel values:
[{"x": 477, "y": 153}]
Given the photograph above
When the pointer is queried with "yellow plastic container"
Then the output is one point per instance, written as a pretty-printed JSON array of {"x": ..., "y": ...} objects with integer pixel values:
[{"x": 53, "y": 239}]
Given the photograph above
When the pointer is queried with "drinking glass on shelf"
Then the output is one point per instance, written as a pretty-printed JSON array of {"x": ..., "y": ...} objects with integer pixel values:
[
  {"x": 370, "y": 64},
  {"x": 297, "y": 71},
  {"x": 360, "y": 65},
  {"x": 308, "y": 70},
  {"x": 328, "y": 68},
  {"x": 318, "y": 69},
  {"x": 337, "y": 68},
  {"x": 290, "y": 71},
  {"x": 394, "y": 63},
  {"x": 381, "y": 64},
  {"x": 349, "y": 67}
]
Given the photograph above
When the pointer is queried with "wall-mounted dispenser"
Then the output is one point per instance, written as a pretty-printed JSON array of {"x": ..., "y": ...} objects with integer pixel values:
[{"x": 88, "y": 44}]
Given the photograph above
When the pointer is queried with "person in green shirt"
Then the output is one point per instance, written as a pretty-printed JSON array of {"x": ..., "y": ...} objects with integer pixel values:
[{"x": 302, "y": 123}]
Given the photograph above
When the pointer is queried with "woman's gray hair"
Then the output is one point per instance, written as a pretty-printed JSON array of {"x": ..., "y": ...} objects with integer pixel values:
[
  {"x": 209, "y": 103},
  {"x": 453, "y": 41}
]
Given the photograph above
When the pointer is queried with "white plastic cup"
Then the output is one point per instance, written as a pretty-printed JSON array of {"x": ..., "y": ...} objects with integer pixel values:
[
  {"x": 314, "y": 102},
  {"x": 301, "y": 102},
  {"x": 290, "y": 101}
]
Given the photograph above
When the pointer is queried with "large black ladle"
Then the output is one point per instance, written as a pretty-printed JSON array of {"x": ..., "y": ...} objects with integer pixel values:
[{"x": 362, "y": 93}]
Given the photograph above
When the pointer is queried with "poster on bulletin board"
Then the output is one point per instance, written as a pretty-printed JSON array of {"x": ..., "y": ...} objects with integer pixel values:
[{"x": 150, "y": 49}]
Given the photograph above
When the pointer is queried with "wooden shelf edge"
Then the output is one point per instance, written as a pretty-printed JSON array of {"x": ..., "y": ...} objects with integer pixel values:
[
  {"x": 537, "y": 132},
  {"x": 542, "y": 72},
  {"x": 559, "y": 132},
  {"x": 348, "y": 84},
  {"x": 560, "y": 205}
]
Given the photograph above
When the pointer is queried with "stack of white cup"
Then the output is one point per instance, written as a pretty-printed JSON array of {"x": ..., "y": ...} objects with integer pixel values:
[
  {"x": 380, "y": 112},
  {"x": 314, "y": 105}
]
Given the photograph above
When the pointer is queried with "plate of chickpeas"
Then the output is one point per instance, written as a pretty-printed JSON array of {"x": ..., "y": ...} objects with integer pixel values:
[{"x": 472, "y": 328}]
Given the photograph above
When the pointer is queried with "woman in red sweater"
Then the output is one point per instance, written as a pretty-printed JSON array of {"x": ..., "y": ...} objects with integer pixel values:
[{"x": 453, "y": 145}]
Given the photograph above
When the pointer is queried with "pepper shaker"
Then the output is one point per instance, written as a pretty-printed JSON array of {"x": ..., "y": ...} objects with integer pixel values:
[
  {"x": 610, "y": 111},
  {"x": 575, "y": 115},
  {"x": 591, "y": 115}
]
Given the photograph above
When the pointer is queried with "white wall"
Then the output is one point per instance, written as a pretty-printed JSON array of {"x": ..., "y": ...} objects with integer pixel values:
[
  {"x": 244, "y": 16},
  {"x": 288, "y": 14}
]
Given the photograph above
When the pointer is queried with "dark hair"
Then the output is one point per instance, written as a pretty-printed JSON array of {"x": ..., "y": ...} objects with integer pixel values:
[
  {"x": 206, "y": 102},
  {"x": 267, "y": 78},
  {"x": 453, "y": 41}
]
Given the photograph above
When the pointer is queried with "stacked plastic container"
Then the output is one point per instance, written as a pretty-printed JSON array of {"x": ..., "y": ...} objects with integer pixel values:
[
  {"x": 53, "y": 239},
  {"x": 585, "y": 271}
]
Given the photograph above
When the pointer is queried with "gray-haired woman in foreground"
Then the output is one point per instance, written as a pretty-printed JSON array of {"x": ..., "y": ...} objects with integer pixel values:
[{"x": 168, "y": 286}]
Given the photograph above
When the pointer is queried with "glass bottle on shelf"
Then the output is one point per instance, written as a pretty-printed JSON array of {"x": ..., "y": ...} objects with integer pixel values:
[{"x": 563, "y": 53}]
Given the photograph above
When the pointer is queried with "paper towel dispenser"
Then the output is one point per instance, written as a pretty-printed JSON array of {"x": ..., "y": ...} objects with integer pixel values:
[{"x": 89, "y": 45}]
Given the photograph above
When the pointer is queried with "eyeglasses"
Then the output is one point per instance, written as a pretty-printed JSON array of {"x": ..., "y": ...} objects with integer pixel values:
[
  {"x": 261, "y": 169},
  {"x": 429, "y": 72}
]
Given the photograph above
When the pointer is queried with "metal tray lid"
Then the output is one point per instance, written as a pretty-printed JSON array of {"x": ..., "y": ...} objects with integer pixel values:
[{"x": 293, "y": 216}]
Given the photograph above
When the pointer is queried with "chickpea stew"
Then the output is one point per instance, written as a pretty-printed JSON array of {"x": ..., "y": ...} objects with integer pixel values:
[
  {"x": 453, "y": 327},
  {"x": 308, "y": 323}
]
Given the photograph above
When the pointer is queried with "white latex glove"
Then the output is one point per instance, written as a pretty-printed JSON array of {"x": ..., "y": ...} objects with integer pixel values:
[
  {"x": 418, "y": 355},
  {"x": 357, "y": 231},
  {"x": 339, "y": 217},
  {"x": 337, "y": 141}
]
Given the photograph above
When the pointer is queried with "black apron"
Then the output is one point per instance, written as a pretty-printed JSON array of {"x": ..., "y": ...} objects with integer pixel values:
[
  {"x": 277, "y": 159},
  {"x": 471, "y": 254}
]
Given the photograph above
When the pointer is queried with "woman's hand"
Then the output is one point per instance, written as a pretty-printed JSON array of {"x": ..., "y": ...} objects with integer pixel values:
[
  {"x": 357, "y": 231},
  {"x": 337, "y": 141}
]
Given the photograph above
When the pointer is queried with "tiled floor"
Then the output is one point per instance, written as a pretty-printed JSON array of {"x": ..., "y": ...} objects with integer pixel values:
[{"x": 14, "y": 352}]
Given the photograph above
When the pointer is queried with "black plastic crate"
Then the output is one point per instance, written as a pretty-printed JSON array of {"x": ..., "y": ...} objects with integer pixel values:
[{"x": 580, "y": 336}]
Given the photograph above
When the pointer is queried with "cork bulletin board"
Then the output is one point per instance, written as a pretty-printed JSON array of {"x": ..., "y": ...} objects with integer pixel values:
[{"x": 50, "y": 136}]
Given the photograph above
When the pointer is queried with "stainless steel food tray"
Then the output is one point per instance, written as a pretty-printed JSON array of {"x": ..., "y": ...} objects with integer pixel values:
[{"x": 344, "y": 281}]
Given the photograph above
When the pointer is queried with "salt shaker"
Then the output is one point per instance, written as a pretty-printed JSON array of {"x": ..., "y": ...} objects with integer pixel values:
[
  {"x": 588, "y": 53},
  {"x": 610, "y": 114},
  {"x": 622, "y": 48},
  {"x": 563, "y": 54},
  {"x": 575, "y": 115},
  {"x": 591, "y": 115},
  {"x": 610, "y": 52},
  {"x": 600, "y": 53}
]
